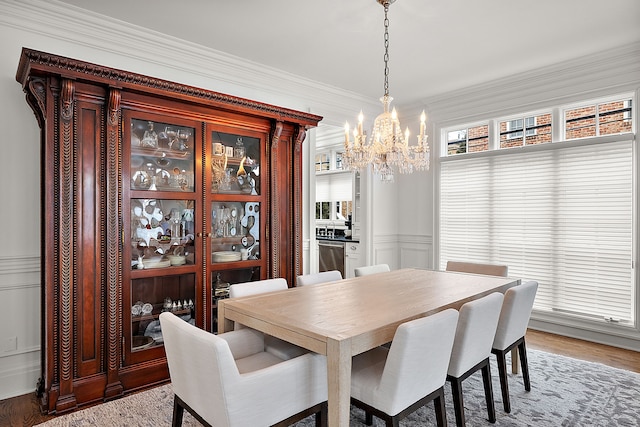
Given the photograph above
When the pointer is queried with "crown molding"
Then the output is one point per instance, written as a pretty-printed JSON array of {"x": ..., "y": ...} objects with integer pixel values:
[
  {"x": 596, "y": 75},
  {"x": 116, "y": 44}
]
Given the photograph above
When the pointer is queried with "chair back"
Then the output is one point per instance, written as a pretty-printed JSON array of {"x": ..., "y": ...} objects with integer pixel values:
[
  {"x": 315, "y": 278},
  {"x": 371, "y": 269},
  {"x": 515, "y": 314},
  {"x": 201, "y": 366},
  {"x": 417, "y": 361},
  {"x": 477, "y": 268},
  {"x": 475, "y": 332},
  {"x": 257, "y": 287}
]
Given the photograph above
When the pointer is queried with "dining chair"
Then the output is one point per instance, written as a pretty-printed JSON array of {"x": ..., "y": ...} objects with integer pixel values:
[
  {"x": 478, "y": 268},
  {"x": 474, "y": 335},
  {"x": 280, "y": 348},
  {"x": 512, "y": 327},
  {"x": 316, "y": 278},
  {"x": 371, "y": 269},
  {"x": 393, "y": 383},
  {"x": 230, "y": 380},
  {"x": 489, "y": 270}
]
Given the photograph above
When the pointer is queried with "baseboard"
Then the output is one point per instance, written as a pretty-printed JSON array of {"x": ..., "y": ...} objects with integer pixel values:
[{"x": 20, "y": 380}]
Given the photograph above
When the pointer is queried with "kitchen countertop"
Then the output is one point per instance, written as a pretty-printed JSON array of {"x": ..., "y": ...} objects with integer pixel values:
[{"x": 338, "y": 239}]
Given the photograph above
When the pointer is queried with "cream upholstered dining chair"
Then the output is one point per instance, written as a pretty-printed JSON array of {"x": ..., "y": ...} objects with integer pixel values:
[
  {"x": 257, "y": 287},
  {"x": 316, "y": 278},
  {"x": 230, "y": 380},
  {"x": 471, "y": 350},
  {"x": 371, "y": 269},
  {"x": 489, "y": 270},
  {"x": 280, "y": 348},
  {"x": 477, "y": 268},
  {"x": 393, "y": 383},
  {"x": 512, "y": 327}
]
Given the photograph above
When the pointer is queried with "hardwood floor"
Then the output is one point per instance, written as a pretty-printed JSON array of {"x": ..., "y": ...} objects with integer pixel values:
[
  {"x": 24, "y": 411},
  {"x": 584, "y": 350}
]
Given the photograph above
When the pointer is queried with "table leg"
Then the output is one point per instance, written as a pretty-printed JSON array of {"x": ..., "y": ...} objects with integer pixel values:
[
  {"x": 515, "y": 361},
  {"x": 339, "y": 382},
  {"x": 224, "y": 325}
]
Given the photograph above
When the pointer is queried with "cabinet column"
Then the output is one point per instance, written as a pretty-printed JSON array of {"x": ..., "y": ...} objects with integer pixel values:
[
  {"x": 297, "y": 214},
  {"x": 114, "y": 246},
  {"x": 66, "y": 237},
  {"x": 274, "y": 197}
]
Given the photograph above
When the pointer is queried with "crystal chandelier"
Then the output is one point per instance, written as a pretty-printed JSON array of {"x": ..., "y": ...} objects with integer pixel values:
[{"x": 387, "y": 147}]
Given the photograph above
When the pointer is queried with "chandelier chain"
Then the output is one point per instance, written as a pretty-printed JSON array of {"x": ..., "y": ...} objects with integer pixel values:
[{"x": 386, "y": 49}]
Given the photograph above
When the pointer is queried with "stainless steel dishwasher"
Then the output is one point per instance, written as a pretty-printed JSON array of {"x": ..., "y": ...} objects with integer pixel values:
[{"x": 331, "y": 256}]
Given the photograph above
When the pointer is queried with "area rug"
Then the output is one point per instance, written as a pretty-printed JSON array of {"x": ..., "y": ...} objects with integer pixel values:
[{"x": 565, "y": 392}]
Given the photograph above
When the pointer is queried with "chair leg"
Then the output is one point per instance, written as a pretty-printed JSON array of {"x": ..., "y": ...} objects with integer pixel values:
[
  {"x": 178, "y": 412},
  {"x": 441, "y": 412},
  {"x": 458, "y": 402},
  {"x": 504, "y": 383},
  {"x": 368, "y": 418},
  {"x": 322, "y": 417},
  {"x": 393, "y": 422},
  {"x": 488, "y": 392},
  {"x": 525, "y": 365}
]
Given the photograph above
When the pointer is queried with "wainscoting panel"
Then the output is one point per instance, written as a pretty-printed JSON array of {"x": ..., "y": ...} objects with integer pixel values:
[
  {"x": 19, "y": 325},
  {"x": 416, "y": 251},
  {"x": 385, "y": 251}
]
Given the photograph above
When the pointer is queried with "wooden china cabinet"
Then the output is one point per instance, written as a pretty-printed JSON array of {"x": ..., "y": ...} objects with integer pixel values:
[{"x": 155, "y": 197}]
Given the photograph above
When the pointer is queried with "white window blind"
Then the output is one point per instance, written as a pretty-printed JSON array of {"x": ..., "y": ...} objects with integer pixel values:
[
  {"x": 561, "y": 216},
  {"x": 334, "y": 187}
]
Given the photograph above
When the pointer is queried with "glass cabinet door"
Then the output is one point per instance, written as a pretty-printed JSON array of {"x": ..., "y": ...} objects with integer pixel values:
[
  {"x": 234, "y": 223},
  {"x": 162, "y": 222}
]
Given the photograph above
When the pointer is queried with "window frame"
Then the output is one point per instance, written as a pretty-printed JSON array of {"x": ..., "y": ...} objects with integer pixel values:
[{"x": 597, "y": 102}]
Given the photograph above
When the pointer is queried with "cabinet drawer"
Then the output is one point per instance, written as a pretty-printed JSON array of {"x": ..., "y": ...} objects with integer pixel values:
[{"x": 352, "y": 248}]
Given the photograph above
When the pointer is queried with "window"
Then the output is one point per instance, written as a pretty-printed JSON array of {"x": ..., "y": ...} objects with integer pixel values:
[
  {"x": 334, "y": 195},
  {"x": 525, "y": 131},
  {"x": 561, "y": 214},
  {"x": 323, "y": 162},
  {"x": 471, "y": 139},
  {"x": 323, "y": 209},
  {"x": 606, "y": 118},
  {"x": 338, "y": 161}
]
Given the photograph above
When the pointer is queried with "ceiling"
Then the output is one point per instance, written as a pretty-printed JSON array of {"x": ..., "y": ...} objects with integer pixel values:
[{"x": 436, "y": 46}]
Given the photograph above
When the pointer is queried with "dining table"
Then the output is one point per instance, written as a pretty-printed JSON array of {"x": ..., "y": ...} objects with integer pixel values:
[{"x": 347, "y": 317}]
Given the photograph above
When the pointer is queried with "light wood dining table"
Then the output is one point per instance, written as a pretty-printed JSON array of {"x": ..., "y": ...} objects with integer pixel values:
[{"x": 348, "y": 317}]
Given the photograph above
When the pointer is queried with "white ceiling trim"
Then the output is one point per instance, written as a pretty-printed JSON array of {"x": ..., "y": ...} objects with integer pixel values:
[{"x": 116, "y": 44}]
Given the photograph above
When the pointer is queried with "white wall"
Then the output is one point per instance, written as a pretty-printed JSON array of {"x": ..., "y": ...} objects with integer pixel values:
[{"x": 60, "y": 29}]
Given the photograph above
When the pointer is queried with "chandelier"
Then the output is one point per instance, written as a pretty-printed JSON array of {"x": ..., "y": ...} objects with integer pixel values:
[{"x": 387, "y": 147}]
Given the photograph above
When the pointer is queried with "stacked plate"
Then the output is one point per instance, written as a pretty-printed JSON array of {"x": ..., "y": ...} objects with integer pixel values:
[
  {"x": 156, "y": 264},
  {"x": 226, "y": 256}
]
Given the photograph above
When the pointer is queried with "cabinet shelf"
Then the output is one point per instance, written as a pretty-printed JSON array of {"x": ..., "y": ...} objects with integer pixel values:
[
  {"x": 155, "y": 314},
  {"x": 236, "y": 264},
  {"x": 165, "y": 153},
  {"x": 165, "y": 271}
]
